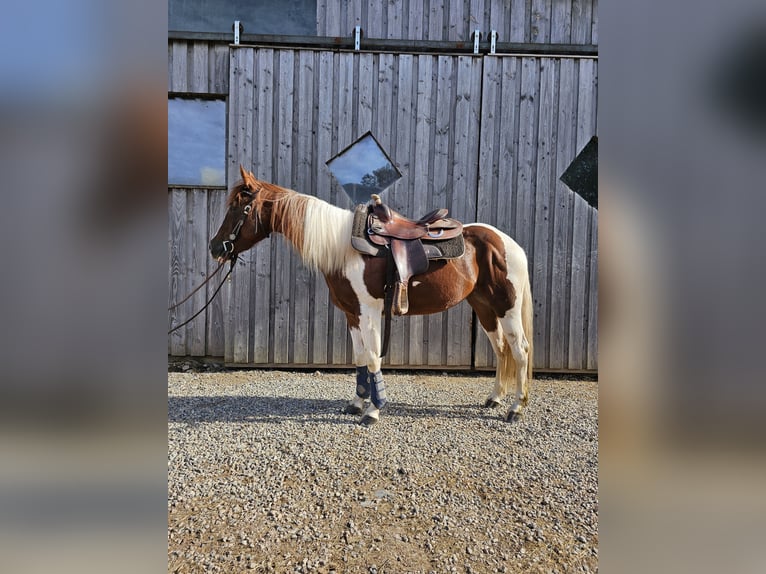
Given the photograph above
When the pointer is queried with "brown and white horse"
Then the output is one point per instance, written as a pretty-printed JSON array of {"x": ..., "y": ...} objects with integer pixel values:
[{"x": 491, "y": 275}]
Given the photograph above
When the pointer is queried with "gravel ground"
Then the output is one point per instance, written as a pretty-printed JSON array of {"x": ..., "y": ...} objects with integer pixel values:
[{"x": 265, "y": 474}]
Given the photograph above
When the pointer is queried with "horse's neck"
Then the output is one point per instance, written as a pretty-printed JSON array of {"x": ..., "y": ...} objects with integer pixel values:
[{"x": 319, "y": 231}]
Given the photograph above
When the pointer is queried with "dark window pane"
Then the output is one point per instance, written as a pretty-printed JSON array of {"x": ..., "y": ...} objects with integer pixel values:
[
  {"x": 363, "y": 168},
  {"x": 196, "y": 141},
  {"x": 277, "y": 17}
]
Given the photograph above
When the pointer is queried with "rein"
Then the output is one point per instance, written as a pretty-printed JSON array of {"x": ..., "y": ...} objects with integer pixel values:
[
  {"x": 225, "y": 277},
  {"x": 228, "y": 246},
  {"x": 200, "y": 286}
]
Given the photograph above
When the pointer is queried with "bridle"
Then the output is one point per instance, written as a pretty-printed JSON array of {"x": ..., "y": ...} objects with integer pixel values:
[{"x": 228, "y": 247}]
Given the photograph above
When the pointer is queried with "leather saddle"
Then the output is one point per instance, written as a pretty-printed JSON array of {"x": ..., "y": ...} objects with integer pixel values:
[{"x": 409, "y": 244}]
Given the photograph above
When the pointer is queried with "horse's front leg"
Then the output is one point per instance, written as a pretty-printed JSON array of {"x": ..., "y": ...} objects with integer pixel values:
[
  {"x": 365, "y": 336},
  {"x": 362, "y": 391},
  {"x": 369, "y": 326}
]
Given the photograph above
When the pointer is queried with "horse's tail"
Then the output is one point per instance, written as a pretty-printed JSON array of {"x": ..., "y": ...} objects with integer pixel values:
[{"x": 527, "y": 315}]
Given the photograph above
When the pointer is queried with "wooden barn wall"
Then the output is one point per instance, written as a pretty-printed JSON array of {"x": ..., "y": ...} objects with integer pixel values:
[
  {"x": 290, "y": 112},
  {"x": 537, "y": 114},
  {"x": 485, "y": 136},
  {"x": 525, "y": 21},
  {"x": 198, "y": 67},
  {"x": 193, "y": 217}
]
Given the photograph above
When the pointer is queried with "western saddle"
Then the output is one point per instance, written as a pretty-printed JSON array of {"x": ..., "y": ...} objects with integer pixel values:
[{"x": 409, "y": 244}]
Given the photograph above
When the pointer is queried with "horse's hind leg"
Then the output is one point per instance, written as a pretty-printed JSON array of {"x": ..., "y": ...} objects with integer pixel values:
[
  {"x": 497, "y": 340},
  {"x": 518, "y": 348}
]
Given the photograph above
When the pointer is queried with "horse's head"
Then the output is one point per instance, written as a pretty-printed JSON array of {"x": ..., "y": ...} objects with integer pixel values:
[{"x": 242, "y": 226}]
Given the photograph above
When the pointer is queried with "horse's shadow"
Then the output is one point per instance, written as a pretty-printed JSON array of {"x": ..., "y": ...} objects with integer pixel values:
[{"x": 276, "y": 410}]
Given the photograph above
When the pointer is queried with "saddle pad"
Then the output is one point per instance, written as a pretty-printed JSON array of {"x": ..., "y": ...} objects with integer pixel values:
[{"x": 447, "y": 249}]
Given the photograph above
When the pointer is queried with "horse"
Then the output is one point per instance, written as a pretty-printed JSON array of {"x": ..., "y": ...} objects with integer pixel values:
[{"x": 491, "y": 275}]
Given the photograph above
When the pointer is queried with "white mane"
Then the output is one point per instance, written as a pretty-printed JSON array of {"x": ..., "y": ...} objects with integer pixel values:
[{"x": 326, "y": 236}]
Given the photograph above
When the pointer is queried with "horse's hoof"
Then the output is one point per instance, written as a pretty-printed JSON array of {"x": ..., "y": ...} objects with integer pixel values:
[
  {"x": 351, "y": 409},
  {"x": 491, "y": 404},
  {"x": 513, "y": 417},
  {"x": 368, "y": 421}
]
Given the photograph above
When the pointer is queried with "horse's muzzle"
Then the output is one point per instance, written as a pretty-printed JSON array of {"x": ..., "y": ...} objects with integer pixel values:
[{"x": 221, "y": 249}]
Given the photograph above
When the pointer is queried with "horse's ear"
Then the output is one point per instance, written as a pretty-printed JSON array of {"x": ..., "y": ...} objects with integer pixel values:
[{"x": 248, "y": 178}]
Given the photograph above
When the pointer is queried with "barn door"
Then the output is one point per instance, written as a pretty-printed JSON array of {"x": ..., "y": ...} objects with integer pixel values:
[
  {"x": 485, "y": 136},
  {"x": 537, "y": 113},
  {"x": 292, "y": 110}
]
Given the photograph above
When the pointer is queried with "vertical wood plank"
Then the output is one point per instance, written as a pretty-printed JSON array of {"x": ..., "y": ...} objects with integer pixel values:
[
  {"x": 179, "y": 73},
  {"x": 561, "y": 22},
  {"x": 322, "y": 307},
  {"x": 592, "y": 344},
  {"x": 198, "y": 74},
  {"x": 415, "y": 20},
  {"x": 519, "y": 21},
  {"x": 374, "y": 19},
  {"x": 478, "y": 17},
  {"x": 581, "y": 21},
  {"x": 282, "y": 287},
  {"x": 586, "y": 108},
  {"x": 527, "y": 152},
  {"x": 577, "y": 296},
  {"x": 177, "y": 280},
  {"x": 197, "y": 263},
  {"x": 419, "y": 347},
  {"x": 218, "y": 70},
  {"x": 345, "y": 136},
  {"x": 560, "y": 282},
  {"x": 436, "y": 20},
  {"x": 437, "y": 324},
  {"x": 332, "y": 18},
  {"x": 487, "y": 200},
  {"x": 170, "y": 67},
  {"x": 544, "y": 194},
  {"x": 456, "y": 23},
  {"x": 540, "y": 24},
  {"x": 594, "y": 24},
  {"x": 303, "y": 181},
  {"x": 395, "y": 11},
  {"x": 239, "y": 307},
  {"x": 416, "y": 198},
  {"x": 525, "y": 178},
  {"x": 463, "y": 170},
  {"x": 509, "y": 144},
  {"x": 263, "y": 168},
  {"x": 366, "y": 83},
  {"x": 216, "y": 200}
]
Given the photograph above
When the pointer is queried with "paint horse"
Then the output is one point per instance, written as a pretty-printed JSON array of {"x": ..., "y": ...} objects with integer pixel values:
[{"x": 491, "y": 275}]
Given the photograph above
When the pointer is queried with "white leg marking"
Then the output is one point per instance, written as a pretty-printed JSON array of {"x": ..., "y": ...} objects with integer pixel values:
[
  {"x": 372, "y": 412},
  {"x": 519, "y": 346}
]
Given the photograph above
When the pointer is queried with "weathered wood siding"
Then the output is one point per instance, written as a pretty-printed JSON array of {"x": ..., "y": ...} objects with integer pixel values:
[
  {"x": 290, "y": 112},
  {"x": 537, "y": 114},
  {"x": 486, "y": 136},
  {"x": 193, "y": 217},
  {"x": 532, "y": 21},
  {"x": 198, "y": 67}
]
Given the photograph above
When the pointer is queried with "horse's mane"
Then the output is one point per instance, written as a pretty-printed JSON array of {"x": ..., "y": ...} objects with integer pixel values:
[{"x": 317, "y": 230}]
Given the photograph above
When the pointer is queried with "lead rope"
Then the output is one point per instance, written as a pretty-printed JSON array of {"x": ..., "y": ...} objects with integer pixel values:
[{"x": 233, "y": 261}]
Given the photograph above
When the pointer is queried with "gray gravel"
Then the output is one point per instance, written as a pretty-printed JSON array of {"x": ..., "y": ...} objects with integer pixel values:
[{"x": 266, "y": 475}]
